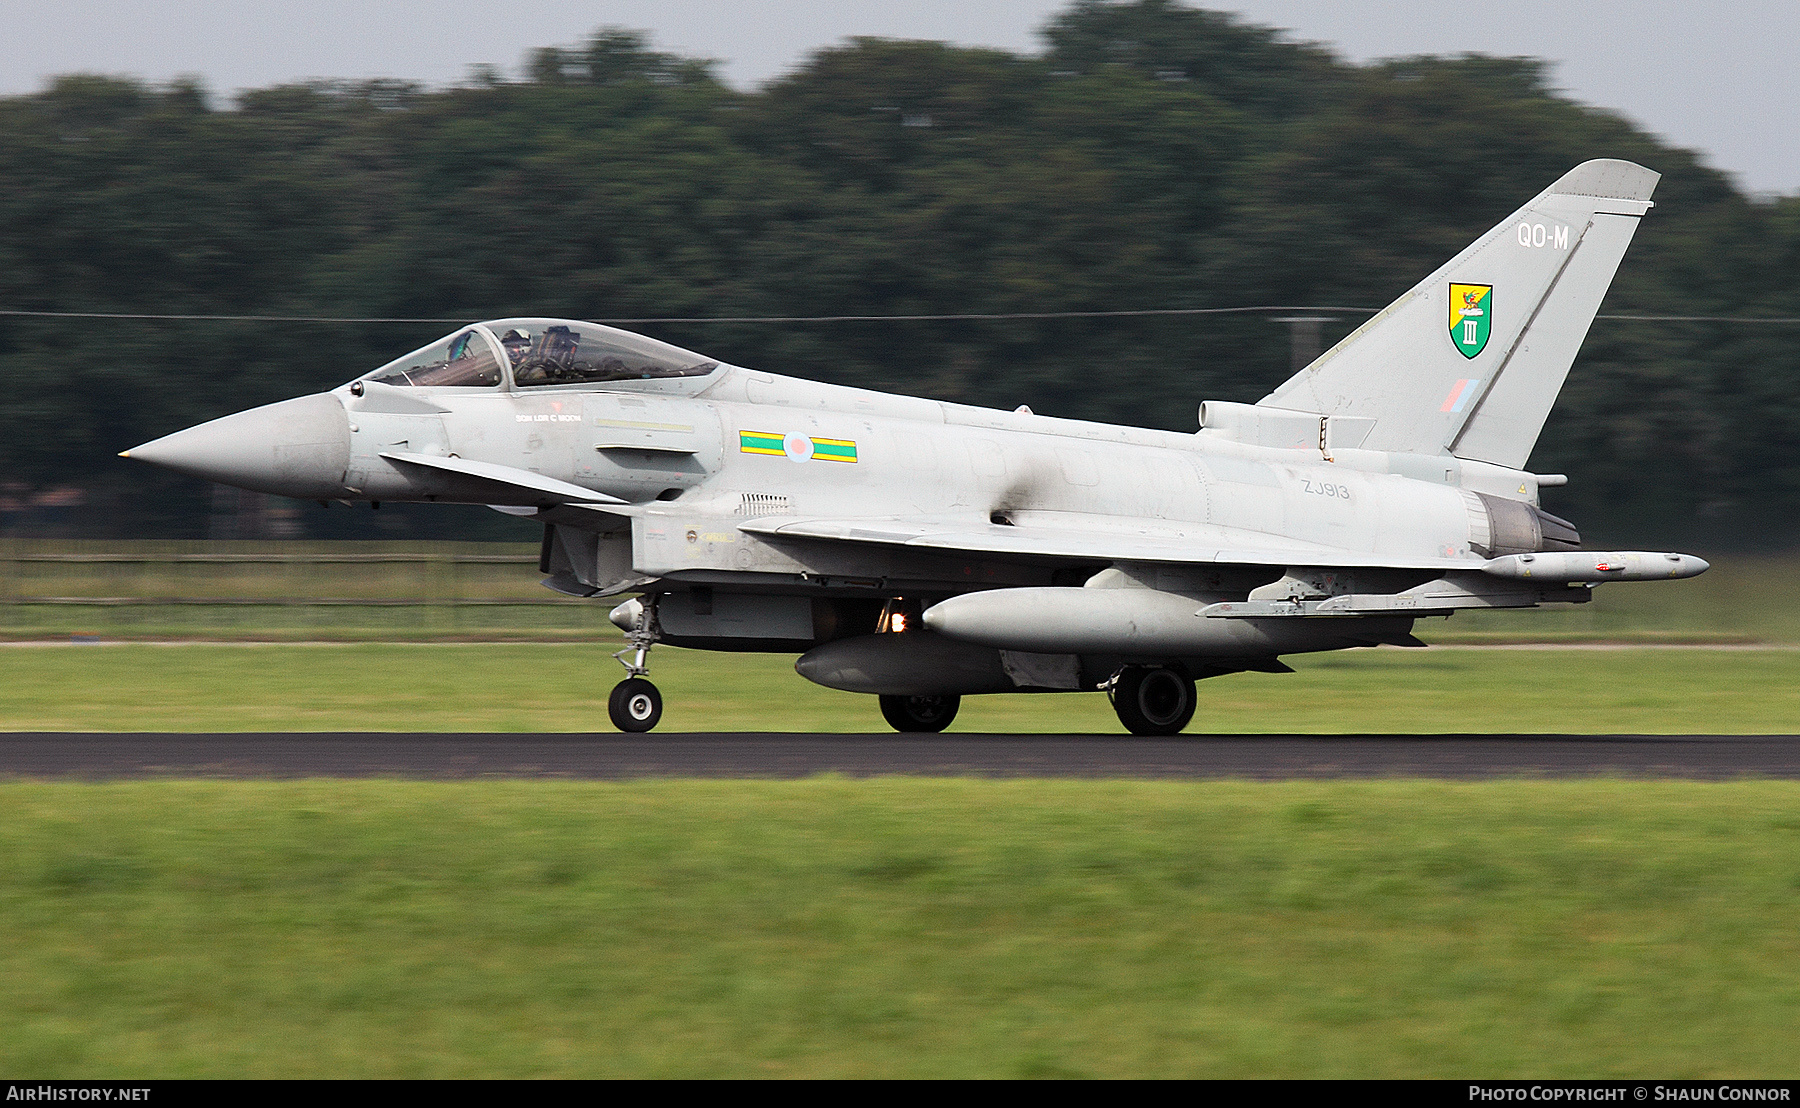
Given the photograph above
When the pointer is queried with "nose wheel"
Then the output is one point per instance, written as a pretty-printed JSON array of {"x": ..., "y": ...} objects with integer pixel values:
[{"x": 635, "y": 705}]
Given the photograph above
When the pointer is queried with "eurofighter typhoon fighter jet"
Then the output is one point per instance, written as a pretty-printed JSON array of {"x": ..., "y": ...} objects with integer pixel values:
[{"x": 922, "y": 551}]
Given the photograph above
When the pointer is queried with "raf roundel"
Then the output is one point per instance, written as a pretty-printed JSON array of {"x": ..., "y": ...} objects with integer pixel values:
[{"x": 797, "y": 447}]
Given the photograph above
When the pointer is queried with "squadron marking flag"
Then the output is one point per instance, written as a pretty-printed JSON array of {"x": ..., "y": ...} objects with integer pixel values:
[{"x": 1471, "y": 315}]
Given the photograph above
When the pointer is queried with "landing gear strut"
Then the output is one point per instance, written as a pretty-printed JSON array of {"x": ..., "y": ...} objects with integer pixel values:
[
  {"x": 1151, "y": 700},
  {"x": 635, "y": 704},
  {"x": 920, "y": 713}
]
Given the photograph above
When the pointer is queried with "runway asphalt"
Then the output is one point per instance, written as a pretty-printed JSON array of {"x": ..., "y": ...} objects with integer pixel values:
[{"x": 609, "y": 756}]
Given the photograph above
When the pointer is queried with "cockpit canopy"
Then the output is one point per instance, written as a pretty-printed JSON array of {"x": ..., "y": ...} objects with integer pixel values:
[{"x": 537, "y": 352}]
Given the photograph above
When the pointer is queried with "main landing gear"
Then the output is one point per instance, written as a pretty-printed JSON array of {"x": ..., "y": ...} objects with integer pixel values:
[
  {"x": 1152, "y": 700},
  {"x": 1149, "y": 700},
  {"x": 920, "y": 713},
  {"x": 635, "y": 704}
]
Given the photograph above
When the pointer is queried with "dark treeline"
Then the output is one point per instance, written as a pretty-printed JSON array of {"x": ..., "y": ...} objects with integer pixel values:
[{"x": 1153, "y": 156}]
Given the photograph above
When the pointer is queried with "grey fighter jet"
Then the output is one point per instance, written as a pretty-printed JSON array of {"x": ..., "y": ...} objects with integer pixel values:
[{"x": 924, "y": 551}]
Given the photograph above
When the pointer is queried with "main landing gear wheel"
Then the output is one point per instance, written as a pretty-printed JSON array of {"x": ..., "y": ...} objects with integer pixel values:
[
  {"x": 635, "y": 705},
  {"x": 1153, "y": 701},
  {"x": 920, "y": 713}
]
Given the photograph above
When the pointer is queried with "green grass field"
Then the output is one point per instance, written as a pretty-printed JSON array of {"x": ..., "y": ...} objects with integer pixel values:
[
  {"x": 892, "y": 926},
  {"x": 899, "y": 927},
  {"x": 547, "y": 687}
]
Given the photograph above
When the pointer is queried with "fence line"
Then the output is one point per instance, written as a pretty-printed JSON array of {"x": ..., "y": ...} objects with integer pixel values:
[
  {"x": 321, "y": 558},
  {"x": 433, "y": 566},
  {"x": 931, "y": 317},
  {"x": 290, "y": 601}
]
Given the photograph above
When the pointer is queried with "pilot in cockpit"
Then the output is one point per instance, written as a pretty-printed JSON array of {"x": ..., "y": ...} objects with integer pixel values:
[{"x": 516, "y": 343}]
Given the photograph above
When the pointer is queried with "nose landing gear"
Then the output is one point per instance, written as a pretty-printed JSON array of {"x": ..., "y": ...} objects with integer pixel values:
[{"x": 635, "y": 704}]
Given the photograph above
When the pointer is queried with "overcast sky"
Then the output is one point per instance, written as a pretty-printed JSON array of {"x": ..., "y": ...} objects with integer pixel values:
[{"x": 1719, "y": 79}]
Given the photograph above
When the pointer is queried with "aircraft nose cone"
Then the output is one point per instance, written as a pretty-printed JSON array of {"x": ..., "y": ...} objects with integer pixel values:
[{"x": 296, "y": 448}]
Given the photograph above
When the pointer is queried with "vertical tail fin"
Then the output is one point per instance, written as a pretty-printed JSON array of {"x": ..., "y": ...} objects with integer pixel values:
[{"x": 1470, "y": 360}]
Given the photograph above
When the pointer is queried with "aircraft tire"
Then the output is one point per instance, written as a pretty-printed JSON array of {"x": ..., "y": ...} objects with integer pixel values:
[
  {"x": 1152, "y": 700},
  {"x": 919, "y": 713},
  {"x": 635, "y": 705}
]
